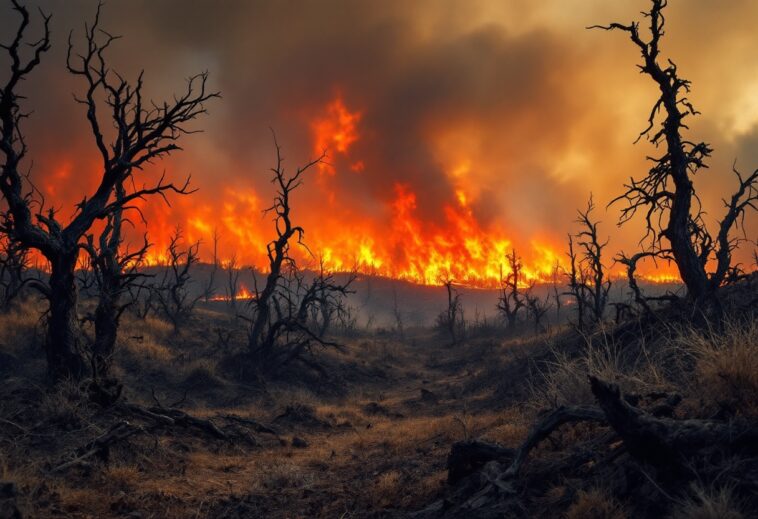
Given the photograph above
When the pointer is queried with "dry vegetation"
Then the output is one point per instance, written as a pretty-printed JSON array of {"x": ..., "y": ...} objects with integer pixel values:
[
  {"x": 123, "y": 397},
  {"x": 372, "y": 439}
]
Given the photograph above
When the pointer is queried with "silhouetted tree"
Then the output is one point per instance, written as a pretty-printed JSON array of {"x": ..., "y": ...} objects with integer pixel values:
[
  {"x": 114, "y": 270},
  {"x": 210, "y": 286},
  {"x": 577, "y": 281},
  {"x": 555, "y": 286},
  {"x": 511, "y": 299},
  {"x": 398, "y": 315},
  {"x": 537, "y": 308},
  {"x": 279, "y": 330},
  {"x": 451, "y": 320},
  {"x": 588, "y": 281},
  {"x": 640, "y": 299},
  {"x": 597, "y": 285},
  {"x": 14, "y": 266},
  {"x": 666, "y": 195},
  {"x": 232, "y": 281},
  {"x": 328, "y": 301},
  {"x": 142, "y": 133},
  {"x": 172, "y": 293}
]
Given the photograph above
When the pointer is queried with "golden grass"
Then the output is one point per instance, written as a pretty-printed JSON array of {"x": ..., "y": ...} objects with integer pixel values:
[
  {"x": 19, "y": 328},
  {"x": 726, "y": 367},
  {"x": 596, "y": 504},
  {"x": 709, "y": 503},
  {"x": 146, "y": 339},
  {"x": 563, "y": 380}
]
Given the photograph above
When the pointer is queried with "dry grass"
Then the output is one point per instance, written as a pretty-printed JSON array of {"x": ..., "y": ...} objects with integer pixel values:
[
  {"x": 19, "y": 329},
  {"x": 563, "y": 380},
  {"x": 725, "y": 367},
  {"x": 201, "y": 374},
  {"x": 356, "y": 458},
  {"x": 596, "y": 504},
  {"x": 710, "y": 503}
]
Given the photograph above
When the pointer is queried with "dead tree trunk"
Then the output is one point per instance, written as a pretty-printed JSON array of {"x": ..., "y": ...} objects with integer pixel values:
[
  {"x": 63, "y": 343},
  {"x": 452, "y": 319},
  {"x": 115, "y": 272},
  {"x": 278, "y": 254},
  {"x": 145, "y": 132},
  {"x": 173, "y": 292},
  {"x": 595, "y": 284},
  {"x": 576, "y": 283},
  {"x": 14, "y": 264},
  {"x": 232, "y": 282},
  {"x": 511, "y": 300},
  {"x": 666, "y": 193}
]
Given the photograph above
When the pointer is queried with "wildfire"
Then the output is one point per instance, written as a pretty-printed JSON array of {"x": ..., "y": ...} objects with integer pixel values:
[
  {"x": 395, "y": 238},
  {"x": 243, "y": 294},
  {"x": 334, "y": 132}
]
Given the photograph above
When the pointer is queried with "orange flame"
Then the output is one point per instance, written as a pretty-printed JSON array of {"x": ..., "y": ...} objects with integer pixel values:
[{"x": 394, "y": 239}]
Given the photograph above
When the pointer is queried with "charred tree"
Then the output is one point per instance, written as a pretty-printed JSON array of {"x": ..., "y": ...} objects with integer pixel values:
[
  {"x": 557, "y": 291},
  {"x": 596, "y": 286},
  {"x": 577, "y": 281},
  {"x": 115, "y": 271},
  {"x": 175, "y": 299},
  {"x": 667, "y": 195},
  {"x": 398, "y": 315},
  {"x": 210, "y": 286},
  {"x": 143, "y": 132},
  {"x": 14, "y": 266},
  {"x": 232, "y": 281},
  {"x": 537, "y": 308},
  {"x": 511, "y": 300},
  {"x": 278, "y": 255},
  {"x": 451, "y": 319},
  {"x": 280, "y": 331}
]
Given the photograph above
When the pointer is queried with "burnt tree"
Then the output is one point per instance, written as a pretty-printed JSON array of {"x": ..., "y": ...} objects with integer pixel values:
[
  {"x": 596, "y": 285},
  {"x": 280, "y": 331},
  {"x": 14, "y": 266},
  {"x": 173, "y": 294},
  {"x": 511, "y": 299},
  {"x": 537, "y": 308},
  {"x": 209, "y": 291},
  {"x": 556, "y": 290},
  {"x": 666, "y": 195},
  {"x": 577, "y": 281},
  {"x": 451, "y": 319},
  {"x": 115, "y": 270},
  {"x": 232, "y": 281},
  {"x": 141, "y": 132},
  {"x": 278, "y": 254}
]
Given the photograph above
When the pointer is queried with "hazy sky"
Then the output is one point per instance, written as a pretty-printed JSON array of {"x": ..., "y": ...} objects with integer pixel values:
[{"x": 510, "y": 104}]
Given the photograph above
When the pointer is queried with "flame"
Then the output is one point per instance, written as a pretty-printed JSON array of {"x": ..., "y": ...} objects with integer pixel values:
[
  {"x": 396, "y": 238},
  {"x": 334, "y": 132},
  {"x": 243, "y": 294}
]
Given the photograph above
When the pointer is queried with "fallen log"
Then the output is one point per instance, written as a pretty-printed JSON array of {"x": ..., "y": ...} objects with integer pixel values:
[
  {"x": 650, "y": 436},
  {"x": 101, "y": 445},
  {"x": 662, "y": 440},
  {"x": 467, "y": 457},
  {"x": 256, "y": 425},
  {"x": 181, "y": 418},
  {"x": 546, "y": 426}
]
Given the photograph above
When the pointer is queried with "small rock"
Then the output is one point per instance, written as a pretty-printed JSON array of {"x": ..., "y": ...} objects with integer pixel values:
[
  {"x": 8, "y": 494},
  {"x": 299, "y": 443},
  {"x": 7, "y": 490},
  {"x": 428, "y": 396}
]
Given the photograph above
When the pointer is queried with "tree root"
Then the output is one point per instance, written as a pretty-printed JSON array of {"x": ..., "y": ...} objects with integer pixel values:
[
  {"x": 648, "y": 436},
  {"x": 100, "y": 446}
]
